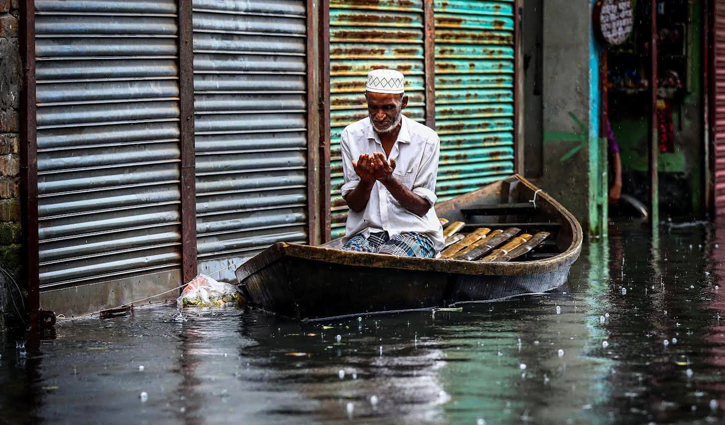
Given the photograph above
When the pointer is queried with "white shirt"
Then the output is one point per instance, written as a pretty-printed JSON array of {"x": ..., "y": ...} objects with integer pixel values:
[{"x": 416, "y": 156}]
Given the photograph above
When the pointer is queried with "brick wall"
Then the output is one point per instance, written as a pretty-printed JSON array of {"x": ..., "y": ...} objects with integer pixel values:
[{"x": 10, "y": 78}]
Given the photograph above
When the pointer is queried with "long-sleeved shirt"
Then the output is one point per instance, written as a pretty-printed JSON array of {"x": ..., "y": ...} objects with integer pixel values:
[{"x": 416, "y": 156}]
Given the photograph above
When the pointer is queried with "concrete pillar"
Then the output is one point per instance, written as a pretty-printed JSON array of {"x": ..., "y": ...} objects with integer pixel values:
[{"x": 571, "y": 156}]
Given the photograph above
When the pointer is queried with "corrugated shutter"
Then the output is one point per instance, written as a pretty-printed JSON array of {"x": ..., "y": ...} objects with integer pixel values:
[
  {"x": 718, "y": 107},
  {"x": 251, "y": 122},
  {"x": 474, "y": 83},
  {"x": 368, "y": 35},
  {"x": 108, "y": 139}
]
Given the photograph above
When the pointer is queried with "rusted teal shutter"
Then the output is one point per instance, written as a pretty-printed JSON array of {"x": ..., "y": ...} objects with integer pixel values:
[
  {"x": 250, "y": 86},
  {"x": 474, "y": 83},
  {"x": 368, "y": 35}
]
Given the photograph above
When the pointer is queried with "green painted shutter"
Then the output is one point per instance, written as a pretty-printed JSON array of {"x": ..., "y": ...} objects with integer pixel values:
[
  {"x": 474, "y": 83},
  {"x": 368, "y": 35}
]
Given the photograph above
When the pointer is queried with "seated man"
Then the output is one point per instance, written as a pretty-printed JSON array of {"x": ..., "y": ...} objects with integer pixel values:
[{"x": 390, "y": 164}]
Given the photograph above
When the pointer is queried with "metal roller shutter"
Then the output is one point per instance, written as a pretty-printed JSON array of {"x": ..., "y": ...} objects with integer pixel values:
[
  {"x": 474, "y": 83},
  {"x": 368, "y": 35},
  {"x": 251, "y": 123},
  {"x": 718, "y": 103},
  {"x": 108, "y": 139}
]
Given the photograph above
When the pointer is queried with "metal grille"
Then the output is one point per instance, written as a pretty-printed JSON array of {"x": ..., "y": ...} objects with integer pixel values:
[
  {"x": 368, "y": 35},
  {"x": 251, "y": 122},
  {"x": 108, "y": 139},
  {"x": 474, "y": 83},
  {"x": 718, "y": 109}
]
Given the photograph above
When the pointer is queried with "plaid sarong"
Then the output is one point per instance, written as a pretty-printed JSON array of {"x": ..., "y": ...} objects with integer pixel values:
[{"x": 407, "y": 244}]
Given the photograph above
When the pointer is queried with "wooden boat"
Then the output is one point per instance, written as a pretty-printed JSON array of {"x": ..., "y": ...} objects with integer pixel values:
[{"x": 316, "y": 282}]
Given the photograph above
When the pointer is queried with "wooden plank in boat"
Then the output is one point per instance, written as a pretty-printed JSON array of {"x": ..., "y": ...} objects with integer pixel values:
[
  {"x": 470, "y": 227},
  {"x": 500, "y": 209}
]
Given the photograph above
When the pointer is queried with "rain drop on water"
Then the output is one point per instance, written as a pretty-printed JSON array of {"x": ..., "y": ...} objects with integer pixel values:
[
  {"x": 522, "y": 366},
  {"x": 141, "y": 368},
  {"x": 350, "y": 408},
  {"x": 713, "y": 405},
  {"x": 561, "y": 353},
  {"x": 558, "y": 310},
  {"x": 666, "y": 343},
  {"x": 338, "y": 338},
  {"x": 480, "y": 421},
  {"x": 689, "y": 373},
  {"x": 602, "y": 319},
  {"x": 143, "y": 396},
  {"x": 374, "y": 400},
  {"x": 605, "y": 344},
  {"x": 341, "y": 374}
]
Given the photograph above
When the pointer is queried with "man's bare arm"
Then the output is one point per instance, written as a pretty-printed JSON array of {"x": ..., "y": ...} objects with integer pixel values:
[
  {"x": 358, "y": 199},
  {"x": 409, "y": 200}
]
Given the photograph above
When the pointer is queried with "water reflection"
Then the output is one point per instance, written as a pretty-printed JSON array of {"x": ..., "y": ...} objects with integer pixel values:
[{"x": 636, "y": 336}]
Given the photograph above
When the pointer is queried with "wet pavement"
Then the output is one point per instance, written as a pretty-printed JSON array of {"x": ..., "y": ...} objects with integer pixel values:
[{"x": 636, "y": 336}]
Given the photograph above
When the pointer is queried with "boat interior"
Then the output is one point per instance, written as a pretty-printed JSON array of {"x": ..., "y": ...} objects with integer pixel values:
[{"x": 509, "y": 220}]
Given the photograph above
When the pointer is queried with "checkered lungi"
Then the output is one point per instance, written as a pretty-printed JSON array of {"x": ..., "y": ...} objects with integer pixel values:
[{"x": 408, "y": 244}]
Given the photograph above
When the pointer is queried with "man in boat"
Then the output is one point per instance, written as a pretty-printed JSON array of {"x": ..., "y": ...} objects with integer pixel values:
[{"x": 390, "y": 164}]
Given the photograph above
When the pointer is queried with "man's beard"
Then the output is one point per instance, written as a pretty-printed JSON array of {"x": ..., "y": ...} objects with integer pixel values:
[{"x": 390, "y": 129}]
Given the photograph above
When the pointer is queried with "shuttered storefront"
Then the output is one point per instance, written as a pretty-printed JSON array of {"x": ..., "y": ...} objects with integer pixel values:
[
  {"x": 474, "y": 86},
  {"x": 107, "y": 139},
  {"x": 718, "y": 103},
  {"x": 366, "y": 35},
  {"x": 251, "y": 123}
]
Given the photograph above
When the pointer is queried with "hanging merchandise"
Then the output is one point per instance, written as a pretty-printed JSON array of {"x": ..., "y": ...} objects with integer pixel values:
[{"x": 665, "y": 127}]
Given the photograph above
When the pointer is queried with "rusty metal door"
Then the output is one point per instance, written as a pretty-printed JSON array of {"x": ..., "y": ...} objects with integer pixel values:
[
  {"x": 364, "y": 36},
  {"x": 250, "y": 80},
  {"x": 717, "y": 104},
  {"x": 474, "y": 86},
  {"x": 107, "y": 141}
]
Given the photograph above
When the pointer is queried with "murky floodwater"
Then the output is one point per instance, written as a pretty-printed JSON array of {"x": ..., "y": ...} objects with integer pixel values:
[{"x": 634, "y": 337}]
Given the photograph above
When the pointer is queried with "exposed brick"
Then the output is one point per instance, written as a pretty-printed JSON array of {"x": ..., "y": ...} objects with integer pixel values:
[
  {"x": 10, "y": 77},
  {"x": 10, "y": 234},
  {"x": 9, "y": 188},
  {"x": 9, "y": 165},
  {"x": 8, "y": 26},
  {"x": 9, "y": 210},
  {"x": 9, "y": 143}
]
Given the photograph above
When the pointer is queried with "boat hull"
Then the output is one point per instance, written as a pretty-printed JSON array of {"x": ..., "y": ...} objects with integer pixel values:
[{"x": 306, "y": 282}]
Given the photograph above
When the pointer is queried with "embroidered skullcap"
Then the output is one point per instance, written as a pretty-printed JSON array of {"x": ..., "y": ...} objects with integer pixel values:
[{"x": 385, "y": 81}]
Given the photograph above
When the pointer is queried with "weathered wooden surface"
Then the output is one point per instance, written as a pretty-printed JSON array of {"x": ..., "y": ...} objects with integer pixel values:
[
  {"x": 511, "y": 245},
  {"x": 491, "y": 244},
  {"x": 362, "y": 284},
  {"x": 467, "y": 241}
]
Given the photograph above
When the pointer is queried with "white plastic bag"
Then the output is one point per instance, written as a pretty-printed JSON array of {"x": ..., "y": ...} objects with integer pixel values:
[{"x": 204, "y": 291}]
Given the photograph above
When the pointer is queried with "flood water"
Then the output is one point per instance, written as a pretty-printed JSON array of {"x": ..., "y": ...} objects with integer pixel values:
[{"x": 636, "y": 336}]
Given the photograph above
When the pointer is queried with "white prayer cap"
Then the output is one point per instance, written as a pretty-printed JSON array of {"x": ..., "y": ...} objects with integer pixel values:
[{"x": 386, "y": 81}]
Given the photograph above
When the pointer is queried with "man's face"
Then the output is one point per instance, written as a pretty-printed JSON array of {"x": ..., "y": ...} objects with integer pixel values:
[{"x": 385, "y": 110}]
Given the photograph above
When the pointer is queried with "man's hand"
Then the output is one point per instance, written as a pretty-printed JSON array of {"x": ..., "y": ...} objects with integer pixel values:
[
  {"x": 364, "y": 167},
  {"x": 614, "y": 193},
  {"x": 383, "y": 170}
]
